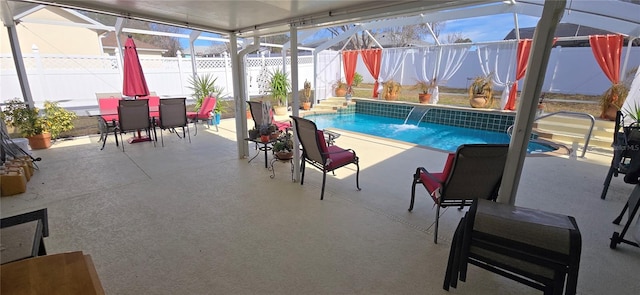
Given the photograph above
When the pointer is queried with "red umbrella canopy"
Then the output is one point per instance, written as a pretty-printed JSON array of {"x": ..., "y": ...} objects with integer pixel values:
[{"x": 134, "y": 83}]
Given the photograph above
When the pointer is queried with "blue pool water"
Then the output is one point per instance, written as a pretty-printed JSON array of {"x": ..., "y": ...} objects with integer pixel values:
[{"x": 437, "y": 136}]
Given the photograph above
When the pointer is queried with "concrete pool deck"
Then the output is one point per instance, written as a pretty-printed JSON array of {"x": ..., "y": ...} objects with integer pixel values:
[{"x": 196, "y": 219}]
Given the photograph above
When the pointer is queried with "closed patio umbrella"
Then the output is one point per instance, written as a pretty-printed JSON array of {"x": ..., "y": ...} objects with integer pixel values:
[{"x": 134, "y": 83}]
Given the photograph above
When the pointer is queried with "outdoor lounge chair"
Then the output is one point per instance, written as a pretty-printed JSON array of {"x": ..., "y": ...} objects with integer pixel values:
[
  {"x": 255, "y": 107},
  {"x": 204, "y": 113},
  {"x": 316, "y": 152},
  {"x": 173, "y": 114},
  {"x": 473, "y": 171}
]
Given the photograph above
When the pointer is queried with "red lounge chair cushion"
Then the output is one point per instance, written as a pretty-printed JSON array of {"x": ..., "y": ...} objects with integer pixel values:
[
  {"x": 282, "y": 125},
  {"x": 430, "y": 184},
  {"x": 338, "y": 157}
]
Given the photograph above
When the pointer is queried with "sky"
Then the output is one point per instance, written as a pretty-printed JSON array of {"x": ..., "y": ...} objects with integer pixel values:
[{"x": 478, "y": 29}]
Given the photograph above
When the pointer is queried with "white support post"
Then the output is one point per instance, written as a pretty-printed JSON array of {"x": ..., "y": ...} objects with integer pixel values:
[
  {"x": 192, "y": 39},
  {"x": 180, "y": 73},
  {"x": 295, "y": 97},
  {"x": 18, "y": 61},
  {"x": 240, "y": 91},
  {"x": 528, "y": 104}
]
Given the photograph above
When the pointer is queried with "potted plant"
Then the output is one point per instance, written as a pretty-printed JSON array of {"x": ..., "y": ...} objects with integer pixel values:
[
  {"x": 481, "y": 92},
  {"x": 306, "y": 94},
  {"x": 391, "y": 90},
  {"x": 218, "y": 110},
  {"x": 204, "y": 86},
  {"x": 426, "y": 89},
  {"x": 283, "y": 148},
  {"x": 612, "y": 99},
  {"x": 280, "y": 87},
  {"x": 38, "y": 128},
  {"x": 340, "y": 88}
]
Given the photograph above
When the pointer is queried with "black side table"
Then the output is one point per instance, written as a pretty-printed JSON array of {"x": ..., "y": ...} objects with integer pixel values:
[{"x": 264, "y": 148}]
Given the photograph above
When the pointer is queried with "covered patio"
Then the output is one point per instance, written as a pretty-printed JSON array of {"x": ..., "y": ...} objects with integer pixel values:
[{"x": 195, "y": 219}]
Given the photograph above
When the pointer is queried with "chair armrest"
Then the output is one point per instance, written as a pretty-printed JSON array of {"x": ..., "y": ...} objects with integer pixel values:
[{"x": 428, "y": 174}]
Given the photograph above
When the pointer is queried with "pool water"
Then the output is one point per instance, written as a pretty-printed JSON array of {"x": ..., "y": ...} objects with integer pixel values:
[{"x": 436, "y": 136}]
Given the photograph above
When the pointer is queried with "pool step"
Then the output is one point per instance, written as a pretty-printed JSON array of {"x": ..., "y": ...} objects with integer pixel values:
[
  {"x": 572, "y": 130},
  {"x": 332, "y": 103}
]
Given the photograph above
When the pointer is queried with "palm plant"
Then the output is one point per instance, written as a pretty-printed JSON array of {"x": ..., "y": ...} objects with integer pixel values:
[
  {"x": 204, "y": 86},
  {"x": 280, "y": 86}
]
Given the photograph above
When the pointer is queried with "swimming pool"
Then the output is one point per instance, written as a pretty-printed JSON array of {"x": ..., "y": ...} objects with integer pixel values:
[{"x": 443, "y": 137}]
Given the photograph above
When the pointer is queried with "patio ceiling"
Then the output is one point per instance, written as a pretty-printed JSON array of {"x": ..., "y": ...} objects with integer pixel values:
[{"x": 247, "y": 18}]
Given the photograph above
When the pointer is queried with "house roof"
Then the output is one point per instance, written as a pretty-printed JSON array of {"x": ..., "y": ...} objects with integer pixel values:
[
  {"x": 110, "y": 41},
  {"x": 563, "y": 30}
]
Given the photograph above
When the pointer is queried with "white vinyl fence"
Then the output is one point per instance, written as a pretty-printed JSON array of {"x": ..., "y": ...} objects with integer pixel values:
[{"x": 74, "y": 80}]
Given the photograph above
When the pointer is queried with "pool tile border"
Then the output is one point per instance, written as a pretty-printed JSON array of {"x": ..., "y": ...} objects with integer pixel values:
[{"x": 483, "y": 119}]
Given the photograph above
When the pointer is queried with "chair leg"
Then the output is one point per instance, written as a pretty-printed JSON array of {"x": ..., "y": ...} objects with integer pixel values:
[
  {"x": 161, "y": 137},
  {"x": 122, "y": 141},
  {"x": 435, "y": 233},
  {"x": 188, "y": 133},
  {"x": 324, "y": 179},
  {"x": 413, "y": 190},
  {"x": 358, "y": 175},
  {"x": 195, "y": 125},
  {"x": 607, "y": 181},
  {"x": 302, "y": 169}
]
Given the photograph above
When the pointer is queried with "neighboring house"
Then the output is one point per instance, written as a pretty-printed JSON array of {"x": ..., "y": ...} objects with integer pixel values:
[
  {"x": 145, "y": 49},
  {"x": 215, "y": 50},
  {"x": 566, "y": 30},
  {"x": 55, "y": 31}
]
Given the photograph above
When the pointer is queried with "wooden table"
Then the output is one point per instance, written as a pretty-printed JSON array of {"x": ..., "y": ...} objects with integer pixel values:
[{"x": 65, "y": 273}]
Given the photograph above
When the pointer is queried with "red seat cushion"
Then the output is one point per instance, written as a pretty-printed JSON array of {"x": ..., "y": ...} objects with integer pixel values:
[
  {"x": 430, "y": 183},
  {"x": 321, "y": 141},
  {"x": 338, "y": 157}
]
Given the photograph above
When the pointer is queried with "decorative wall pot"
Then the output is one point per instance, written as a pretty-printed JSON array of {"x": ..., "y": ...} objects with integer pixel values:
[
  {"x": 40, "y": 141},
  {"x": 341, "y": 92}
]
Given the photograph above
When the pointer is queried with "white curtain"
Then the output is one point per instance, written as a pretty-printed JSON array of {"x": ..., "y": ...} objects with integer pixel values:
[
  {"x": 327, "y": 73},
  {"x": 633, "y": 98},
  {"x": 438, "y": 64},
  {"x": 492, "y": 58},
  {"x": 390, "y": 64}
]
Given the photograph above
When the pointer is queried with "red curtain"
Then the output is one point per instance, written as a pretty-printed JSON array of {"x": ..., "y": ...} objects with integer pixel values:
[
  {"x": 607, "y": 50},
  {"x": 372, "y": 58},
  {"x": 524, "y": 48},
  {"x": 350, "y": 59}
]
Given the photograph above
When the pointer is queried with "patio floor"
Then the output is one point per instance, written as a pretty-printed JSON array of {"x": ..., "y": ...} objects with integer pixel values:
[{"x": 195, "y": 219}]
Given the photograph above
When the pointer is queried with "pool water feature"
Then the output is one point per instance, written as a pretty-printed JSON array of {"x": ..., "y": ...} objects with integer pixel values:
[{"x": 438, "y": 136}]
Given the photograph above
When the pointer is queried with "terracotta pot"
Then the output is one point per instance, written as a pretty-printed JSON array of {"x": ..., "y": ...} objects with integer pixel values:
[
  {"x": 479, "y": 101},
  {"x": 424, "y": 97},
  {"x": 40, "y": 141},
  {"x": 264, "y": 138},
  {"x": 306, "y": 106},
  {"x": 341, "y": 92},
  {"x": 274, "y": 135},
  {"x": 280, "y": 110}
]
